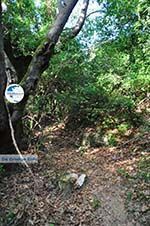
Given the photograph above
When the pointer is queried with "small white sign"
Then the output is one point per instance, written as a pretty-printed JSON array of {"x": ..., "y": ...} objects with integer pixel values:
[{"x": 14, "y": 93}]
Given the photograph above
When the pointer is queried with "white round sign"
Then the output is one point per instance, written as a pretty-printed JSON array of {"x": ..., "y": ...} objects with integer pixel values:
[{"x": 14, "y": 93}]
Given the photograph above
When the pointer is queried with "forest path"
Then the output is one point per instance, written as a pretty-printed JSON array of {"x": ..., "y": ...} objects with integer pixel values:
[{"x": 101, "y": 201}]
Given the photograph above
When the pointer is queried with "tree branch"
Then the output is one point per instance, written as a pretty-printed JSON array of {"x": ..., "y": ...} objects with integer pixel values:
[
  {"x": 2, "y": 59},
  {"x": 16, "y": 61},
  {"x": 96, "y": 11},
  {"x": 77, "y": 28},
  {"x": 10, "y": 71},
  {"x": 42, "y": 56}
]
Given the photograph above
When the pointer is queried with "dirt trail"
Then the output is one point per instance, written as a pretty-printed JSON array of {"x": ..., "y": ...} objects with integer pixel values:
[{"x": 100, "y": 202}]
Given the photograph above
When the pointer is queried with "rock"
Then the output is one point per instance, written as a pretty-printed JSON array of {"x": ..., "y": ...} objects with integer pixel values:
[
  {"x": 93, "y": 139},
  {"x": 67, "y": 183},
  {"x": 80, "y": 181},
  {"x": 67, "y": 179}
]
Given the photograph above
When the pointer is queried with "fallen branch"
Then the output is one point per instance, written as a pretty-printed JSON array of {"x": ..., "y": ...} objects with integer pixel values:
[{"x": 14, "y": 140}]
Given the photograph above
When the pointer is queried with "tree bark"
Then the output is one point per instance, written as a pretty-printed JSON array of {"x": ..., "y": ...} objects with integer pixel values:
[
  {"x": 38, "y": 65},
  {"x": 22, "y": 60},
  {"x": 77, "y": 28},
  {"x": 41, "y": 58},
  {"x": 5, "y": 136}
]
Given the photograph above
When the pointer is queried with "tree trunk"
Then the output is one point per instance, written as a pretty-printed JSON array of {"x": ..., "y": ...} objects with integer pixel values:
[
  {"x": 6, "y": 145},
  {"x": 38, "y": 65},
  {"x": 5, "y": 136}
]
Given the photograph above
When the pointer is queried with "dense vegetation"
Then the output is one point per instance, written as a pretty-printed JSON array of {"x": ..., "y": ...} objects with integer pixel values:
[{"x": 100, "y": 81}]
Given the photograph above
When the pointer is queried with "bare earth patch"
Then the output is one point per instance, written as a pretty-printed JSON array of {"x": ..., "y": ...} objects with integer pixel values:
[{"x": 101, "y": 201}]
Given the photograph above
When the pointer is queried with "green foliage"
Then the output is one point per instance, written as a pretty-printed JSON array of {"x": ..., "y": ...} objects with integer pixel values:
[
  {"x": 2, "y": 170},
  {"x": 144, "y": 169},
  {"x": 96, "y": 203},
  {"x": 112, "y": 140},
  {"x": 129, "y": 196},
  {"x": 123, "y": 172},
  {"x": 26, "y": 24},
  {"x": 9, "y": 218},
  {"x": 122, "y": 128},
  {"x": 85, "y": 84}
]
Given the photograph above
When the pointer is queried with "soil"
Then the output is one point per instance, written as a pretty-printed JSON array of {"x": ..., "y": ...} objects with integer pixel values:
[{"x": 37, "y": 199}]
